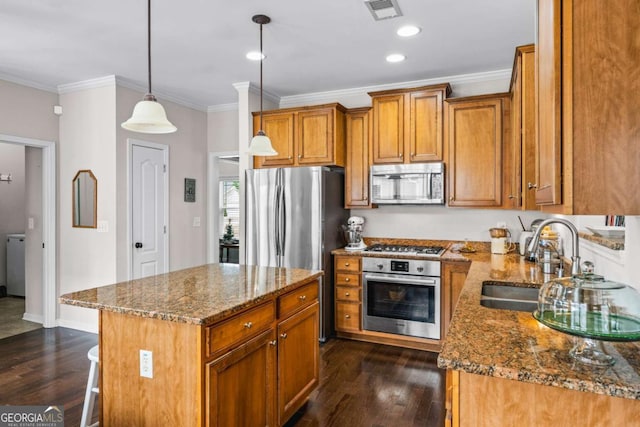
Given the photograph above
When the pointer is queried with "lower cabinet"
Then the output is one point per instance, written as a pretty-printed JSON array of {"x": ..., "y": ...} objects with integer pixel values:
[
  {"x": 265, "y": 379},
  {"x": 241, "y": 384},
  {"x": 298, "y": 360},
  {"x": 453, "y": 276}
]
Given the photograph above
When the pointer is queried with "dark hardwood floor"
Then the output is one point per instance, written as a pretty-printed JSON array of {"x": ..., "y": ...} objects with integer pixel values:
[
  {"x": 46, "y": 367},
  {"x": 361, "y": 384}
]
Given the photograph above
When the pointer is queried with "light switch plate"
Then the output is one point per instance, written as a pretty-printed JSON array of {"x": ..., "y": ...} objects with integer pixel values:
[
  {"x": 30, "y": 224},
  {"x": 196, "y": 221},
  {"x": 103, "y": 226},
  {"x": 146, "y": 363}
]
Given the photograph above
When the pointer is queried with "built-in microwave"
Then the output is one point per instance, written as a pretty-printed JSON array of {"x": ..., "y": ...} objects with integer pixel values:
[{"x": 408, "y": 184}]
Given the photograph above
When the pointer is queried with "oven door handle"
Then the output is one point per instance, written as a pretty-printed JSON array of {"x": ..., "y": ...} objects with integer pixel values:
[{"x": 399, "y": 279}]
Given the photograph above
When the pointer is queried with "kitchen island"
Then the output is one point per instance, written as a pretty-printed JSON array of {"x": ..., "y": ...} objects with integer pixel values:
[
  {"x": 505, "y": 368},
  {"x": 214, "y": 345}
]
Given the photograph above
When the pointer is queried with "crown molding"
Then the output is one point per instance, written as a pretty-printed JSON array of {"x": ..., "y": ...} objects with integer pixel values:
[
  {"x": 331, "y": 96},
  {"x": 222, "y": 107},
  {"x": 130, "y": 84},
  {"x": 255, "y": 90},
  {"x": 29, "y": 83},
  {"x": 98, "y": 82}
]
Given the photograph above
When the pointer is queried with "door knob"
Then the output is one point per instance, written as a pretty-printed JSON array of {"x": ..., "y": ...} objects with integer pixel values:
[{"x": 138, "y": 245}]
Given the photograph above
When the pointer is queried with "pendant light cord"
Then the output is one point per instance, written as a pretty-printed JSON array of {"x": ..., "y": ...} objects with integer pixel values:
[
  {"x": 261, "y": 59},
  {"x": 149, "y": 42}
]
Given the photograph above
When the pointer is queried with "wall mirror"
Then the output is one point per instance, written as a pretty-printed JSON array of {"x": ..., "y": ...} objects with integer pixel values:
[{"x": 85, "y": 200}]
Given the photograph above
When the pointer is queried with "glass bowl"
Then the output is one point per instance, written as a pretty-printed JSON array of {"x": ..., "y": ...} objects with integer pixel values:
[{"x": 592, "y": 308}]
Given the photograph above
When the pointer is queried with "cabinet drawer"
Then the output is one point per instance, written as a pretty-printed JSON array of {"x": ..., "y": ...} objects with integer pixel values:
[
  {"x": 348, "y": 279},
  {"x": 346, "y": 293},
  {"x": 239, "y": 328},
  {"x": 298, "y": 299},
  {"x": 348, "y": 263},
  {"x": 347, "y": 316}
]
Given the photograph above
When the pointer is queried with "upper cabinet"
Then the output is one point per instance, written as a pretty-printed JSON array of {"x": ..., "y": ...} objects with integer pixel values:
[
  {"x": 519, "y": 184},
  {"x": 408, "y": 124},
  {"x": 358, "y": 158},
  {"x": 306, "y": 136},
  {"x": 588, "y": 107},
  {"x": 477, "y": 143}
]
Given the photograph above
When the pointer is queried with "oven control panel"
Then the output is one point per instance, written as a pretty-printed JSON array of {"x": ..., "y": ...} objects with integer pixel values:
[{"x": 415, "y": 267}]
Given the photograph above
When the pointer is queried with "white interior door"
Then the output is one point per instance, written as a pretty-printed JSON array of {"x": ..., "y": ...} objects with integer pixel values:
[{"x": 148, "y": 217}]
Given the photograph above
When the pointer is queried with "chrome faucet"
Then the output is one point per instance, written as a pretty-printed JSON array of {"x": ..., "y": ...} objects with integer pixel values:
[{"x": 575, "y": 256}]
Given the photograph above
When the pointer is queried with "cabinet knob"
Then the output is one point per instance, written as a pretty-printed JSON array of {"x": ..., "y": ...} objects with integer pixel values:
[
  {"x": 302, "y": 297},
  {"x": 299, "y": 156},
  {"x": 346, "y": 264},
  {"x": 413, "y": 154},
  {"x": 283, "y": 335},
  {"x": 347, "y": 279},
  {"x": 248, "y": 325},
  {"x": 346, "y": 294},
  {"x": 531, "y": 186},
  {"x": 401, "y": 155},
  {"x": 273, "y": 343},
  {"x": 451, "y": 199},
  {"x": 347, "y": 316},
  {"x": 290, "y": 157},
  {"x": 511, "y": 196}
]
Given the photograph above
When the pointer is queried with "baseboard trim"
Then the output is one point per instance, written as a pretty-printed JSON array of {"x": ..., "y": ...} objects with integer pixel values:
[
  {"x": 81, "y": 326},
  {"x": 36, "y": 318}
]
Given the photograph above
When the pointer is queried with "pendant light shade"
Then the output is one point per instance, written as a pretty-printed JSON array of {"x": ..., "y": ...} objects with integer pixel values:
[
  {"x": 261, "y": 144},
  {"x": 149, "y": 115}
]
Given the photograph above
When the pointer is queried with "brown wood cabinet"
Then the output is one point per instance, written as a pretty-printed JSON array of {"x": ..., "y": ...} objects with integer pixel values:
[
  {"x": 254, "y": 368},
  {"x": 588, "y": 107},
  {"x": 304, "y": 136},
  {"x": 476, "y": 130},
  {"x": 407, "y": 124},
  {"x": 298, "y": 360},
  {"x": 358, "y": 158},
  {"x": 472, "y": 400},
  {"x": 348, "y": 293},
  {"x": 519, "y": 184},
  {"x": 453, "y": 275}
]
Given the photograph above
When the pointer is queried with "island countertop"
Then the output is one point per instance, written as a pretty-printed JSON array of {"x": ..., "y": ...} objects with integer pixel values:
[
  {"x": 513, "y": 345},
  {"x": 198, "y": 295}
]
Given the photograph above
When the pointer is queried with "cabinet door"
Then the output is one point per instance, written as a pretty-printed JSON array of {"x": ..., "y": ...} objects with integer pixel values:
[
  {"x": 513, "y": 180},
  {"x": 549, "y": 69},
  {"x": 474, "y": 138},
  {"x": 357, "y": 170},
  {"x": 298, "y": 364},
  {"x": 425, "y": 126},
  {"x": 453, "y": 277},
  {"x": 315, "y": 142},
  {"x": 388, "y": 129},
  {"x": 279, "y": 128},
  {"x": 527, "y": 128},
  {"x": 240, "y": 385}
]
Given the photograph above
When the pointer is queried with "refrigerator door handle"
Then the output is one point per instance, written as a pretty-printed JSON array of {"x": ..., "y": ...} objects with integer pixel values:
[
  {"x": 277, "y": 219},
  {"x": 283, "y": 225}
]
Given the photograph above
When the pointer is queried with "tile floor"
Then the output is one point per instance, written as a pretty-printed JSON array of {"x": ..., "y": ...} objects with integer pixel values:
[{"x": 11, "y": 323}]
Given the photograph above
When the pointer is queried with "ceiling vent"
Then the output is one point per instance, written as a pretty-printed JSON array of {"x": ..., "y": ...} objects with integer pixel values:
[{"x": 383, "y": 9}]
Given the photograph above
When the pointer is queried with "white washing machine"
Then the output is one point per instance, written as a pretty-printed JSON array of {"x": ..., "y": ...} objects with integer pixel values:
[{"x": 15, "y": 264}]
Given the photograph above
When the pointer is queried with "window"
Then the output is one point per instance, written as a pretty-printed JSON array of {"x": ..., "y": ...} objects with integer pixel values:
[{"x": 229, "y": 208}]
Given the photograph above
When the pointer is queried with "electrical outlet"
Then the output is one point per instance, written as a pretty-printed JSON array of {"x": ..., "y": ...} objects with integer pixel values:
[
  {"x": 146, "y": 363},
  {"x": 196, "y": 221},
  {"x": 31, "y": 224}
]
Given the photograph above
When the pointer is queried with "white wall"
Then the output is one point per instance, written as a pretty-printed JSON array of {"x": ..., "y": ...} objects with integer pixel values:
[
  {"x": 86, "y": 258},
  {"x": 34, "y": 236},
  {"x": 12, "y": 197},
  {"x": 222, "y": 131}
]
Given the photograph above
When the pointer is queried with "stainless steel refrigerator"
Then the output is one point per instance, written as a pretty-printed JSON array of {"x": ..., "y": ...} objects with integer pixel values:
[{"x": 293, "y": 218}]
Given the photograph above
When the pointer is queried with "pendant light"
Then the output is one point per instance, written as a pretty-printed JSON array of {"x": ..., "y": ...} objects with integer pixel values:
[
  {"x": 149, "y": 115},
  {"x": 261, "y": 144}
]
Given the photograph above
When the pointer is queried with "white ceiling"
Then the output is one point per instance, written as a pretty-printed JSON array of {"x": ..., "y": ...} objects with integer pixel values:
[{"x": 199, "y": 46}]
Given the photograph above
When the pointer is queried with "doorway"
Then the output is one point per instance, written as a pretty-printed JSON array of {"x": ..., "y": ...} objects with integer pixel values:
[
  {"x": 40, "y": 246},
  {"x": 148, "y": 208},
  {"x": 222, "y": 167}
]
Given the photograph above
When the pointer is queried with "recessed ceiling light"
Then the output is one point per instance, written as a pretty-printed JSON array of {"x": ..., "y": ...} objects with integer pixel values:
[
  {"x": 408, "y": 31},
  {"x": 255, "y": 56},
  {"x": 396, "y": 57}
]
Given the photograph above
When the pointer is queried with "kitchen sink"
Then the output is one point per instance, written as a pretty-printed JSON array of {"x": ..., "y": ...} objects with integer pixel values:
[{"x": 508, "y": 296}]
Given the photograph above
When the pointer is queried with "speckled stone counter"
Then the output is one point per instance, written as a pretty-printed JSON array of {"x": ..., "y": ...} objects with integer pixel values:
[
  {"x": 613, "y": 244},
  {"x": 199, "y": 295},
  {"x": 513, "y": 345}
]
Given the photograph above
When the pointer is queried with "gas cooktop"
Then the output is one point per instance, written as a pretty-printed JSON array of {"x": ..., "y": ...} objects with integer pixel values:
[{"x": 406, "y": 250}]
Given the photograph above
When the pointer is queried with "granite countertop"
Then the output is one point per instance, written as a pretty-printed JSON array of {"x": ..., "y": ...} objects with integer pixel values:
[
  {"x": 513, "y": 345},
  {"x": 200, "y": 295}
]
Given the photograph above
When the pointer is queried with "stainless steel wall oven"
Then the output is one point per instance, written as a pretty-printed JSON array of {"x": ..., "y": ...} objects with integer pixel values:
[{"x": 401, "y": 296}]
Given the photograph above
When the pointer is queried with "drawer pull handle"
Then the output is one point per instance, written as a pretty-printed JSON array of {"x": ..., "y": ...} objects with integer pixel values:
[
  {"x": 273, "y": 343},
  {"x": 346, "y": 264},
  {"x": 346, "y": 294},
  {"x": 283, "y": 335},
  {"x": 346, "y": 279},
  {"x": 302, "y": 298},
  {"x": 347, "y": 316},
  {"x": 248, "y": 325}
]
